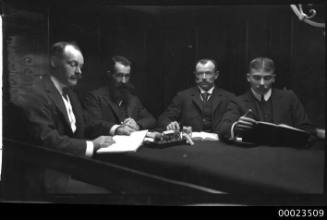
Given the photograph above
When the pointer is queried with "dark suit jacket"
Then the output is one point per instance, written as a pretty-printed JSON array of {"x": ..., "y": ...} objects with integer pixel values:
[
  {"x": 48, "y": 125},
  {"x": 103, "y": 112},
  {"x": 287, "y": 109},
  {"x": 186, "y": 108}
]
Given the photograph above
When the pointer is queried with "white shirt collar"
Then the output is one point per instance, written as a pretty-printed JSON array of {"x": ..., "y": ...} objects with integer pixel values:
[
  {"x": 59, "y": 86},
  {"x": 265, "y": 96},
  {"x": 210, "y": 91}
]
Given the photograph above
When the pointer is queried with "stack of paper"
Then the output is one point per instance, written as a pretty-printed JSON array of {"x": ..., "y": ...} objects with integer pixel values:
[
  {"x": 125, "y": 143},
  {"x": 204, "y": 136}
]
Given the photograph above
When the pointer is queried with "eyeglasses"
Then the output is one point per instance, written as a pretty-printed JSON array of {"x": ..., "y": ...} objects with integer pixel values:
[
  {"x": 209, "y": 73},
  {"x": 265, "y": 78}
]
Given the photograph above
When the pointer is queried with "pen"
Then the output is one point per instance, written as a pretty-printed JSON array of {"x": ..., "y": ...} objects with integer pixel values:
[{"x": 248, "y": 112}]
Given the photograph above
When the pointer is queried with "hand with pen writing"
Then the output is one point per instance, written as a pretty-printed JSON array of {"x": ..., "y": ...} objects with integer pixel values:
[
  {"x": 127, "y": 127},
  {"x": 130, "y": 122},
  {"x": 245, "y": 122}
]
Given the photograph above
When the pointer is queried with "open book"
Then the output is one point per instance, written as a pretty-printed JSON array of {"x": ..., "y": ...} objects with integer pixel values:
[
  {"x": 125, "y": 143},
  {"x": 266, "y": 133}
]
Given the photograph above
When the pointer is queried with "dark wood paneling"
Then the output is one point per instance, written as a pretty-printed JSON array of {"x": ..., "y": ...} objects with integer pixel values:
[
  {"x": 164, "y": 43},
  {"x": 308, "y": 69},
  {"x": 178, "y": 61}
]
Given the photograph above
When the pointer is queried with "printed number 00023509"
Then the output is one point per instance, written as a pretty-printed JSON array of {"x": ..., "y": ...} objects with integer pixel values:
[{"x": 298, "y": 213}]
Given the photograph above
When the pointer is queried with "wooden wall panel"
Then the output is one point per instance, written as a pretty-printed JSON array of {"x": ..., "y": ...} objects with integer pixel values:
[{"x": 164, "y": 43}]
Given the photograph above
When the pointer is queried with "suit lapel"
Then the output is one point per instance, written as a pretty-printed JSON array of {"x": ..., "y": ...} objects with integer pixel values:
[
  {"x": 195, "y": 94},
  {"x": 130, "y": 107},
  {"x": 250, "y": 101},
  {"x": 56, "y": 98},
  {"x": 114, "y": 107},
  {"x": 216, "y": 98},
  {"x": 276, "y": 99}
]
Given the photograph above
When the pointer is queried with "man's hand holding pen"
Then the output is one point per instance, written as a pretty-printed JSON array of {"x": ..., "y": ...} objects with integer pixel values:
[
  {"x": 245, "y": 122},
  {"x": 130, "y": 122},
  {"x": 127, "y": 127}
]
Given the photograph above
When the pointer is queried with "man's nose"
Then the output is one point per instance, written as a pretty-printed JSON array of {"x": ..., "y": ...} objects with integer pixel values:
[
  {"x": 262, "y": 81},
  {"x": 78, "y": 70},
  {"x": 124, "y": 80},
  {"x": 204, "y": 76}
]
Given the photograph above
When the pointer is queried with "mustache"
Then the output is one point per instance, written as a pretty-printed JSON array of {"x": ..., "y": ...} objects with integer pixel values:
[
  {"x": 203, "y": 81},
  {"x": 262, "y": 87},
  {"x": 127, "y": 86},
  {"x": 76, "y": 76}
]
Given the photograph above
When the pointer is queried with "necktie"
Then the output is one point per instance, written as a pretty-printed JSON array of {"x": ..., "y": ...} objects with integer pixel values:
[
  {"x": 204, "y": 96},
  {"x": 65, "y": 92},
  {"x": 71, "y": 116}
]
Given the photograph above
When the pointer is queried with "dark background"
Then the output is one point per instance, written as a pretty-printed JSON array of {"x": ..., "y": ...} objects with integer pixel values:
[{"x": 164, "y": 42}]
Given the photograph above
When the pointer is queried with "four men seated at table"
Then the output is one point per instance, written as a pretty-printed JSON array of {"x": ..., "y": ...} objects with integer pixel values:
[
  {"x": 56, "y": 118},
  {"x": 115, "y": 110}
]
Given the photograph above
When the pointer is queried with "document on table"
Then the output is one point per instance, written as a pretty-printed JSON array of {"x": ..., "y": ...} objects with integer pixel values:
[
  {"x": 125, "y": 143},
  {"x": 204, "y": 136}
]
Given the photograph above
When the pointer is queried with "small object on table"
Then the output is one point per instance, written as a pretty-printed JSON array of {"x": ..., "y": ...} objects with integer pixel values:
[
  {"x": 165, "y": 139},
  {"x": 187, "y": 130}
]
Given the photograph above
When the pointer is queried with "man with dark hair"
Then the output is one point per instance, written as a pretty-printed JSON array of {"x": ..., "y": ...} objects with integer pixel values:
[
  {"x": 263, "y": 103},
  {"x": 200, "y": 107},
  {"x": 55, "y": 120},
  {"x": 114, "y": 109}
]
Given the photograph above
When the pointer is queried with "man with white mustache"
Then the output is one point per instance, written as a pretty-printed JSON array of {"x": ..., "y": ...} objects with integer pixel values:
[
  {"x": 263, "y": 103},
  {"x": 200, "y": 107}
]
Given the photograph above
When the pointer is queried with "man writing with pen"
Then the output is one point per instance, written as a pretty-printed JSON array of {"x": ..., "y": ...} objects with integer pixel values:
[
  {"x": 200, "y": 107},
  {"x": 263, "y": 103},
  {"x": 114, "y": 109}
]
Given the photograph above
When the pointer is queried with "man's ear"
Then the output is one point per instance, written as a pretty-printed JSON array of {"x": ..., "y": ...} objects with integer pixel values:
[
  {"x": 108, "y": 73},
  {"x": 217, "y": 74},
  {"x": 53, "y": 62},
  {"x": 248, "y": 77},
  {"x": 274, "y": 79}
]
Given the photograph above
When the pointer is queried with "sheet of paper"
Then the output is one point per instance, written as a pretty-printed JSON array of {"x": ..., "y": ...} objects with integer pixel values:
[
  {"x": 125, "y": 143},
  {"x": 205, "y": 136}
]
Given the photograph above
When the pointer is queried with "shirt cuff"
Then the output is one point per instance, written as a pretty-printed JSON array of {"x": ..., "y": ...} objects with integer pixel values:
[
  {"x": 232, "y": 135},
  {"x": 113, "y": 130},
  {"x": 89, "y": 148}
]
